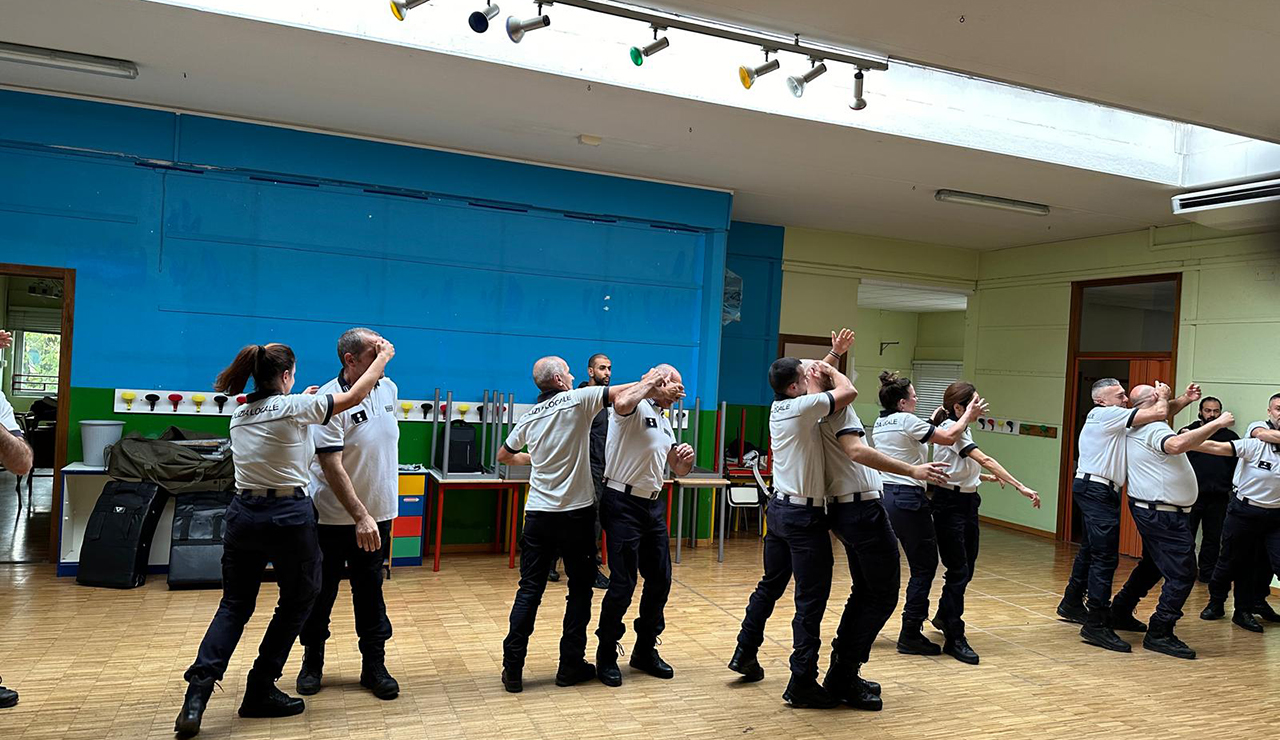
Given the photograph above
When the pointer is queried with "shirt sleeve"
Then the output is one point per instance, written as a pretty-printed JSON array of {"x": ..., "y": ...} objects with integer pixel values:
[
  {"x": 317, "y": 409},
  {"x": 1248, "y": 450},
  {"x": 816, "y": 406},
  {"x": 7, "y": 418},
  {"x": 331, "y": 437},
  {"x": 1254, "y": 427},
  {"x": 1114, "y": 419},
  {"x": 965, "y": 444},
  {"x": 846, "y": 421},
  {"x": 591, "y": 399},
  {"x": 516, "y": 439},
  {"x": 917, "y": 428}
]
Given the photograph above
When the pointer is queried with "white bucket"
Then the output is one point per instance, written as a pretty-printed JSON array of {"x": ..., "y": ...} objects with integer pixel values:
[{"x": 96, "y": 436}]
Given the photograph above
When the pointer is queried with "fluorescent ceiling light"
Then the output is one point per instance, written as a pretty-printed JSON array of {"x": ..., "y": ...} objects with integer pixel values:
[
  {"x": 991, "y": 201},
  {"x": 41, "y": 57}
]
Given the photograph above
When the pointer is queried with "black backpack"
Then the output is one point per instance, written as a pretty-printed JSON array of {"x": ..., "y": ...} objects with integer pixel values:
[
  {"x": 117, "y": 540},
  {"x": 464, "y": 453},
  {"x": 195, "y": 550}
]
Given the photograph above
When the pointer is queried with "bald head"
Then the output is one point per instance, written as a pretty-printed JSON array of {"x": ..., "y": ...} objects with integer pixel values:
[
  {"x": 673, "y": 378},
  {"x": 1142, "y": 396},
  {"x": 551, "y": 373}
]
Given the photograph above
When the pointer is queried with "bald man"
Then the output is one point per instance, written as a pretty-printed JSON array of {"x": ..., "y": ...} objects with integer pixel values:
[
  {"x": 641, "y": 448},
  {"x": 1162, "y": 490},
  {"x": 560, "y": 512}
]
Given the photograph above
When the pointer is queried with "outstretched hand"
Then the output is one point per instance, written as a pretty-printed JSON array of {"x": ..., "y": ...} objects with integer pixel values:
[
  {"x": 841, "y": 341},
  {"x": 6, "y": 339}
]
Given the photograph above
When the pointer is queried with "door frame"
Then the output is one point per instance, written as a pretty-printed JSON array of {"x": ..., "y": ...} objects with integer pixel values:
[
  {"x": 1066, "y": 469},
  {"x": 68, "y": 277}
]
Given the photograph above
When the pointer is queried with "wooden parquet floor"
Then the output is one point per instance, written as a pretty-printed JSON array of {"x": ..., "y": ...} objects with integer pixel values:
[{"x": 93, "y": 663}]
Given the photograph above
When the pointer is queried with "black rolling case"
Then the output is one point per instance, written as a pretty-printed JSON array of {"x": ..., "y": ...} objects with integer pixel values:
[
  {"x": 195, "y": 552},
  {"x": 464, "y": 452},
  {"x": 117, "y": 541}
]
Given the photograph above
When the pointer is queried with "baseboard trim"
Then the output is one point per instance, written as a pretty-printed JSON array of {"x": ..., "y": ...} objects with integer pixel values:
[{"x": 1016, "y": 527}]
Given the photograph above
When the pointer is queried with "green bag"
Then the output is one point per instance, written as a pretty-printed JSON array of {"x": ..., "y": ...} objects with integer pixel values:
[{"x": 179, "y": 460}]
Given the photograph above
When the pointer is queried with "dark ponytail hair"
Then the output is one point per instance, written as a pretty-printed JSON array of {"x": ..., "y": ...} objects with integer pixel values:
[
  {"x": 263, "y": 363},
  {"x": 893, "y": 389},
  {"x": 960, "y": 392}
]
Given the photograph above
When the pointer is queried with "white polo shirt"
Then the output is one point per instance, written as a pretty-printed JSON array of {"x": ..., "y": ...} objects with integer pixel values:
[
  {"x": 1155, "y": 475},
  {"x": 1258, "y": 472},
  {"x": 7, "y": 418},
  {"x": 902, "y": 436},
  {"x": 797, "y": 444},
  {"x": 962, "y": 471},
  {"x": 1256, "y": 425},
  {"x": 270, "y": 440},
  {"x": 636, "y": 447},
  {"x": 558, "y": 433},
  {"x": 368, "y": 437},
  {"x": 840, "y": 474},
  {"x": 1102, "y": 442}
]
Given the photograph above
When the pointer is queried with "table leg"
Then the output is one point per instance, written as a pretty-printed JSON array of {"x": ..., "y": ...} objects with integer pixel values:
[
  {"x": 511, "y": 529},
  {"x": 439, "y": 523},
  {"x": 604, "y": 548},
  {"x": 497, "y": 522},
  {"x": 668, "y": 487},
  {"x": 724, "y": 514},
  {"x": 693, "y": 518},
  {"x": 679, "y": 519}
]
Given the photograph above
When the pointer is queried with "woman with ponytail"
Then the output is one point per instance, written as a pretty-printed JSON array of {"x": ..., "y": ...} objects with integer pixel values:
[
  {"x": 902, "y": 435},
  {"x": 955, "y": 514},
  {"x": 271, "y": 519}
]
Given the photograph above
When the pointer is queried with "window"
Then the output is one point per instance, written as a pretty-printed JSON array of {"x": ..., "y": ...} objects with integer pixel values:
[
  {"x": 931, "y": 380},
  {"x": 35, "y": 366}
]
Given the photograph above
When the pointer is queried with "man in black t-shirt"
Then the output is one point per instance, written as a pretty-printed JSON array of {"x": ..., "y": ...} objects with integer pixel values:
[{"x": 1213, "y": 478}]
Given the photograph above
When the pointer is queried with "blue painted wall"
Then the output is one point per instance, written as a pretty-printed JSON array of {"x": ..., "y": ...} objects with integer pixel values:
[
  {"x": 473, "y": 267},
  {"x": 750, "y": 345}
]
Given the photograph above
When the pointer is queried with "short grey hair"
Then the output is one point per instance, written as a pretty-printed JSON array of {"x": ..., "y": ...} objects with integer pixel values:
[
  {"x": 1101, "y": 384},
  {"x": 546, "y": 369},
  {"x": 354, "y": 341}
]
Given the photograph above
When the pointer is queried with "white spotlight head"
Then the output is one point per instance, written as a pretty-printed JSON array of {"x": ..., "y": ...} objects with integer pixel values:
[
  {"x": 796, "y": 83},
  {"x": 516, "y": 28},
  {"x": 400, "y": 7},
  {"x": 859, "y": 102},
  {"x": 748, "y": 75},
  {"x": 479, "y": 20}
]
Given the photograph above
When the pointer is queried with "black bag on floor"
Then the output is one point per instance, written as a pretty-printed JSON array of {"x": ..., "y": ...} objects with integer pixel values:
[
  {"x": 117, "y": 541},
  {"x": 195, "y": 552},
  {"x": 464, "y": 453}
]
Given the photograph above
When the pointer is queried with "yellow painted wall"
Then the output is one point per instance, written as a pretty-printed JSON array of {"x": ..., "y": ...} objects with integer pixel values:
[
  {"x": 940, "y": 336},
  {"x": 1015, "y": 330}
]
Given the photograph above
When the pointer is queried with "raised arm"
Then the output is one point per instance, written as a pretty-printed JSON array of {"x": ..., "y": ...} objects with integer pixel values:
[
  {"x": 1158, "y": 411},
  {"x": 864, "y": 454},
  {"x": 1003, "y": 476},
  {"x": 360, "y": 389},
  {"x": 1192, "y": 438},
  {"x": 1267, "y": 434},
  {"x": 626, "y": 397},
  {"x": 843, "y": 393},
  {"x": 1221, "y": 449},
  {"x": 841, "y": 341},
  {"x": 977, "y": 407},
  {"x": 1188, "y": 397}
]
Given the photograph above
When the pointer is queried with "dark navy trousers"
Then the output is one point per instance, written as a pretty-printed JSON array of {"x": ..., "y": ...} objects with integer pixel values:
[
  {"x": 342, "y": 552},
  {"x": 1250, "y": 554},
  {"x": 259, "y": 530},
  {"x": 799, "y": 544},
  {"x": 1095, "y": 565},
  {"x": 912, "y": 517},
  {"x": 639, "y": 544},
  {"x": 1169, "y": 552},
  {"x": 872, "y": 550}
]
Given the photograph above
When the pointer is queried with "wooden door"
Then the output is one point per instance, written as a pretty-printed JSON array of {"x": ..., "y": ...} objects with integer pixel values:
[{"x": 1141, "y": 372}]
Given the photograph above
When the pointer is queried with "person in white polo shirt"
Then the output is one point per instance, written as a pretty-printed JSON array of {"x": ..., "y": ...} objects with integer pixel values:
[
  {"x": 1250, "y": 571},
  {"x": 799, "y": 539},
  {"x": 641, "y": 448},
  {"x": 560, "y": 512},
  {"x": 904, "y": 436},
  {"x": 16, "y": 456},
  {"x": 354, "y": 481},
  {"x": 1100, "y": 474},
  {"x": 1162, "y": 489},
  {"x": 271, "y": 520}
]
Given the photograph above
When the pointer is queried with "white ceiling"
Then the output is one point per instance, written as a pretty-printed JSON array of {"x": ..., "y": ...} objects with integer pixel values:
[
  {"x": 1211, "y": 62},
  {"x": 783, "y": 170}
]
